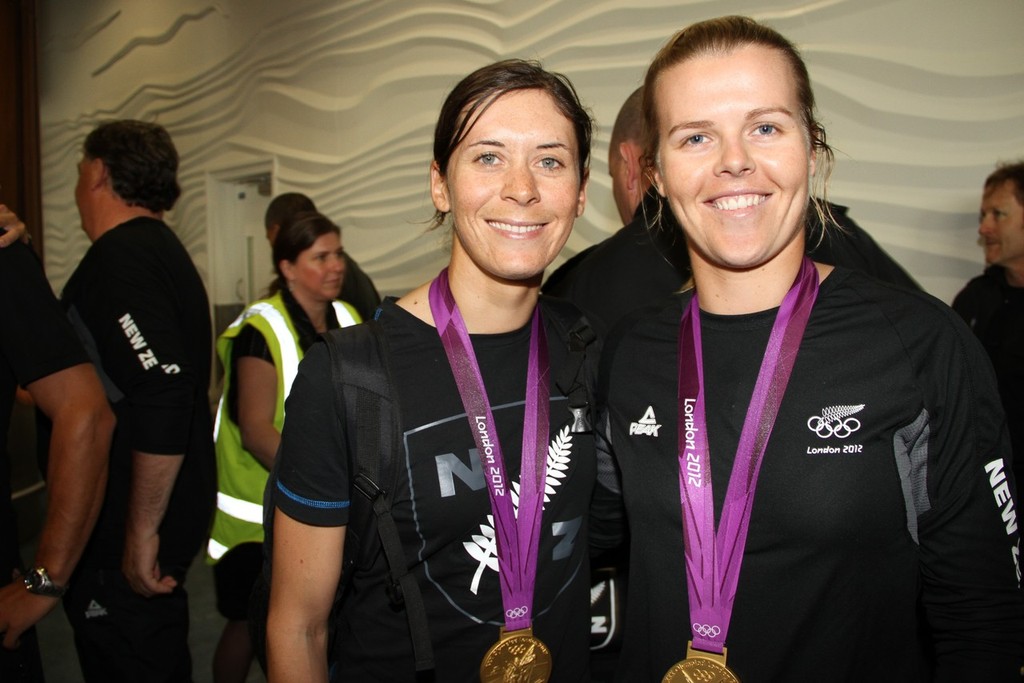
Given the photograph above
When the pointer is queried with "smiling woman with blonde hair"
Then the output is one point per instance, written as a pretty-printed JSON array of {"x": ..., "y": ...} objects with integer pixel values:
[{"x": 881, "y": 542}]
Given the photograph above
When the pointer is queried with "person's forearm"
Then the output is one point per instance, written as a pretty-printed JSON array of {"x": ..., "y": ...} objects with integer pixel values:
[
  {"x": 307, "y": 566},
  {"x": 76, "y": 482},
  {"x": 296, "y": 655},
  {"x": 153, "y": 478},
  {"x": 262, "y": 440},
  {"x": 76, "y": 473}
]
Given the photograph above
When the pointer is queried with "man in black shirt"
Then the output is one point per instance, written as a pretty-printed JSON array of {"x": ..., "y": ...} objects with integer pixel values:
[
  {"x": 39, "y": 351},
  {"x": 993, "y": 303},
  {"x": 139, "y": 304}
]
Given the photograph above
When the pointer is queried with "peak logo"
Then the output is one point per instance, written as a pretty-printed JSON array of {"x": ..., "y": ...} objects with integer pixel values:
[{"x": 646, "y": 425}]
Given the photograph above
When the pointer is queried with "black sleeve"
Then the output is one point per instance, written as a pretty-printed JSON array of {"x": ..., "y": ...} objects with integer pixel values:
[
  {"x": 969, "y": 540},
  {"x": 142, "y": 349},
  {"x": 250, "y": 343},
  {"x": 37, "y": 338},
  {"x": 312, "y": 484}
]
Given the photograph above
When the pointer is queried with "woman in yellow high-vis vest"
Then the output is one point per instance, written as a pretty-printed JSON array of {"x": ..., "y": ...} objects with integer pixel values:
[{"x": 260, "y": 352}]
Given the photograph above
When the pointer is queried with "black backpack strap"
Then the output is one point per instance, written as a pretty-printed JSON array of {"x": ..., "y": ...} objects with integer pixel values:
[
  {"x": 570, "y": 381},
  {"x": 361, "y": 374}
]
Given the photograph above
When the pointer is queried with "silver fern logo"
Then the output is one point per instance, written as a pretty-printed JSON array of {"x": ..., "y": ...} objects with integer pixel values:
[
  {"x": 837, "y": 421},
  {"x": 483, "y": 548}
]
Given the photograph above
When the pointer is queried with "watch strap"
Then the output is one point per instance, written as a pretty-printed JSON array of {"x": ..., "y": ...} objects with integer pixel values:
[{"x": 38, "y": 581}]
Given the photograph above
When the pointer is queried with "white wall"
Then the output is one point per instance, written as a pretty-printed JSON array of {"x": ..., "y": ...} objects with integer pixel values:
[{"x": 920, "y": 98}]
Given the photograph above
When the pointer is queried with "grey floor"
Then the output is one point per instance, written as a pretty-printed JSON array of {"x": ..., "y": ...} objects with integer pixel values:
[{"x": 61, "y": 665}]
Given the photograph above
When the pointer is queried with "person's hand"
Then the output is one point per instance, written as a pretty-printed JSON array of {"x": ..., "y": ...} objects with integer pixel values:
[
  {"x": 15, "y": 229},
  {"x": 20, "y": 610},
  {"x": 141, "y": 568}
]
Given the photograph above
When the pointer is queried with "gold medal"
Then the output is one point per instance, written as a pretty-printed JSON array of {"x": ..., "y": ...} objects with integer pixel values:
[
  {"x": 517, "y": 657},
  {"x": 700, "y": 667}
]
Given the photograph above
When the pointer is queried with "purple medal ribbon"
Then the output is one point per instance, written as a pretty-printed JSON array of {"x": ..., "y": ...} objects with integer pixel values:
[
  {"x": 518, "y": 539},
  {"x": 713, "y": 560}
]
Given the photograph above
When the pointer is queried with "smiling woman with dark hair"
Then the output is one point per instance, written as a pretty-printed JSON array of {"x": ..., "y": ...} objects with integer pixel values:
[{"x": 496, "y": 480}]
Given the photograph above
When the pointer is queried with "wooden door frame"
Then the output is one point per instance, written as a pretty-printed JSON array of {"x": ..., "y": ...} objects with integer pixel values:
[{"x": 20, "y": 167}]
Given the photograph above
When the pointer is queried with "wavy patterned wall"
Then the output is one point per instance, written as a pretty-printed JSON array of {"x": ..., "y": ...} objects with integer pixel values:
[{"x": 921, "y": 98}]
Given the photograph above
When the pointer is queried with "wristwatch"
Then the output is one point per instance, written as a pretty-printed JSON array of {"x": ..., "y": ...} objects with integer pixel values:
[{"x": 38, "y": 581}]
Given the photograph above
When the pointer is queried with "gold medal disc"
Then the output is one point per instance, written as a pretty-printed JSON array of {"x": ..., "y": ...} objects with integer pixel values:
[
  {"x": 700, "y": 670},
  {"x": 701, "y": 667},
  {"x": 517, "y": 657}
]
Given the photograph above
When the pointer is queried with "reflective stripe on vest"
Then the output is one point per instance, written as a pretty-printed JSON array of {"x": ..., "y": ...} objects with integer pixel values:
[
  {"x": 343, "y": 315},
  {"x": 288, "y": 345},
  {"x": 240, "y": 509},
  {"x": 289, "y": 348},
  {"x": 216, "y": 550}
]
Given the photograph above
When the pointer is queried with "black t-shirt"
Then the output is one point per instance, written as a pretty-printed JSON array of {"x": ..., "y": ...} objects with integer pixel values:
[
  {"x": 139, "y": 304},
  {"x": 36, "y": 341},
  {"x": 883, "y": 507},
  {"x": 442, "y": 508}
]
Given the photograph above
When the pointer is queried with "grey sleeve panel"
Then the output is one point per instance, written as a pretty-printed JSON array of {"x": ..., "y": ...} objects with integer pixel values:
[
  {"x": 910, "y": 448},
  {"x": 607, "y": 471}
]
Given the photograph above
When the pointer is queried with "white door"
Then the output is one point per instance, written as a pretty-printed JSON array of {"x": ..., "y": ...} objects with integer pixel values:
[{"x": 240, "y": 257}]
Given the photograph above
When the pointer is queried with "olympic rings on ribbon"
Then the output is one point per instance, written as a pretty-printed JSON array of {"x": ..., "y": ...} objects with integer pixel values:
[
  {"x": 517, "y": 612},
  {"x": 706, "y": 630}
]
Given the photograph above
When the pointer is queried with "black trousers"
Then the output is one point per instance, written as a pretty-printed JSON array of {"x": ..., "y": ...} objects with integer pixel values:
[{"x": 123, "y": 636}]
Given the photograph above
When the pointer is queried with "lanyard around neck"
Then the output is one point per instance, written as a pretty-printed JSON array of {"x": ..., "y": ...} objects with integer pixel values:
[{"x": 517, "y": 536}]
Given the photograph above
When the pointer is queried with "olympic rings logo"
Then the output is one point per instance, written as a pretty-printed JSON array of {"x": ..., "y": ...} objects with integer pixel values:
[
  {"x": 517, "y": 612},
  {"x": 706, "y": 630},
  {"x": 839, "y": 428}
]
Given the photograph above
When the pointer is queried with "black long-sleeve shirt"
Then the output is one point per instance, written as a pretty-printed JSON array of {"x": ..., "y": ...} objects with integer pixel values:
[{"x": 876, "y": 552}]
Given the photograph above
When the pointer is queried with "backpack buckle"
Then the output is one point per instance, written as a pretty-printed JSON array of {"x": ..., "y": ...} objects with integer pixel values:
[{"x": 367, "y": 487}]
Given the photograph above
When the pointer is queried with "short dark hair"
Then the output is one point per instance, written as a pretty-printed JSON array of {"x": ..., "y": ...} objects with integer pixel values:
[
  {"x": 284, "y": 206},
  {"x": 476, "y": 92},
  {"x": 141, "y": 161},
  {"x": 297, "y": 234},
  {"x": 629, "y": 123},
  {"x": 1008, "y": 173}
]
